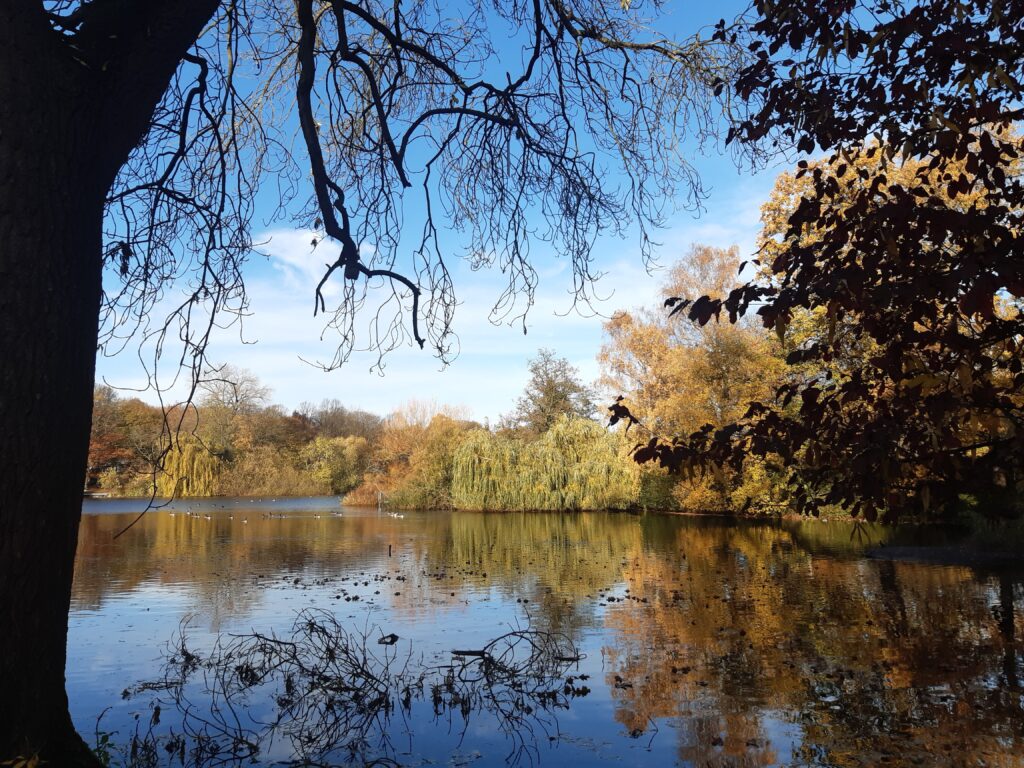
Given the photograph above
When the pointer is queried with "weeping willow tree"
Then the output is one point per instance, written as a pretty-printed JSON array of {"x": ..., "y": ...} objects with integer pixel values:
[
  {"x": 576, "y": 464},
  {"x": 482, "y": 476},
  {"x": 189, "y": 470}
]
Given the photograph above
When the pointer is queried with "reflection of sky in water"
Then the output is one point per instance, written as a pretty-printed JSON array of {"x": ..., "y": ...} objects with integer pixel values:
[{"x": 708, "y": 643}]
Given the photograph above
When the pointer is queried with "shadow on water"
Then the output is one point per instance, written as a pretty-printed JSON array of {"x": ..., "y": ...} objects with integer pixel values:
[{"x": 706, "y": 641}]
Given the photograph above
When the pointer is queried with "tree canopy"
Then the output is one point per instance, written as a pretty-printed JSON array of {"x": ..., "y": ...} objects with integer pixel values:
[
  {"x": 904, "y": 239},
  {"x": 553, "y": 390}
]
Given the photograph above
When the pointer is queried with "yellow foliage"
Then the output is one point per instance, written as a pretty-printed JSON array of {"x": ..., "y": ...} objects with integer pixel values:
[
  {"x": 576, "y": 464},
  {"x": 336, "y": 463},
  {"x": 677, "y": 376},
  {"x": 189, "y": 469},
  {"x": 411, "y": 462},
  {"x": 266, "y": 471}
]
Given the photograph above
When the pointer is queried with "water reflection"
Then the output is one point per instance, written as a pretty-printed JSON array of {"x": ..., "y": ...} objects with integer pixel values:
[{"x": 708, "y": 642}]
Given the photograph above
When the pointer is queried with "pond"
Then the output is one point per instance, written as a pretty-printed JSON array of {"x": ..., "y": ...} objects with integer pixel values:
[{"x": 669, "y": 640}]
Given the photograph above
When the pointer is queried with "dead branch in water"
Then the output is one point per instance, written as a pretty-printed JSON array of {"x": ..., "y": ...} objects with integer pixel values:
[{"x": 331, "y": 694}]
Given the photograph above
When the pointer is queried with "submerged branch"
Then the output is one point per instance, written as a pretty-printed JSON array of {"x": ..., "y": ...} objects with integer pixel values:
[{"x": 332, "y": 694}]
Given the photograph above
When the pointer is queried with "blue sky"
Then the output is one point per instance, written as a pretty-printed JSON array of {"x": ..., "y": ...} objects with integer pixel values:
[{"x": 491, "y": 368}]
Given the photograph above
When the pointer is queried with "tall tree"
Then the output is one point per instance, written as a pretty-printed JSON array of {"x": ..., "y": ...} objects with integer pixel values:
[
  {"x": 233, "y": 389},
  {"x": 134, "y": 134},
  {"x": 228, "y": 396},
  {"x": 554, "y": 389},
  {"x": 680, "y": 376}
]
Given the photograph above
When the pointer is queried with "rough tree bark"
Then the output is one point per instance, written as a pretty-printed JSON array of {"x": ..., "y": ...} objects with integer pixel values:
[
  {"x": 66, "y": 126},
  {"x": 50, "y": 265}
]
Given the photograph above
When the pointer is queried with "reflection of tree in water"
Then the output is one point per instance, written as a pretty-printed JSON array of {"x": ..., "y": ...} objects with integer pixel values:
[
  {"x": 329, "y": 694},
  {"x": 556, "y": 562},
  {"x": 746, "y": 636},
  {"x": 560, "y": 561},
  {"x": 730, "y": 630},
  {"x": 223, "y": 562}
]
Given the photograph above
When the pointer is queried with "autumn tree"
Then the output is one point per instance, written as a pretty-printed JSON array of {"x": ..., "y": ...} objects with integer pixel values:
[
  {"x": 680, "y": 376},
  {"x": 409, "y": 462},
  {"x": 108, "y": 442},
  {"x": 126, "y": 443},
  {"x": 911, "y": 246},
  {"x": 554, "y": 389},
  {"x": 425, "y": 479},
  {"x": 227, "y": 396},
  {"x": 337, "y": 463},
  {"x": 135, "y": 135}
]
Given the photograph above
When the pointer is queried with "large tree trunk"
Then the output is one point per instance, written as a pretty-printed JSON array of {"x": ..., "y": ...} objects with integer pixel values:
[
  {"x": 51, "y": 216},
  {"x": 50, "y": 267},
  {"x": 66, "y": 126}
]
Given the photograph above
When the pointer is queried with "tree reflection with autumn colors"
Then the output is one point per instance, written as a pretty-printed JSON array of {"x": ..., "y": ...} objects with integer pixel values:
[
  {"x": 738, "y": 644},
  {"x": 735, "y": 632}
]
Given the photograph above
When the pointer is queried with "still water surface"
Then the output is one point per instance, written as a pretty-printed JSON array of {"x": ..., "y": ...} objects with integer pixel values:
[{"x": 707, "y": 642}]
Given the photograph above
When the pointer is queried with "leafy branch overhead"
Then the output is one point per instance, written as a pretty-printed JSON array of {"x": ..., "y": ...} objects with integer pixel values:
[{"x": 903, "y": 245}]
